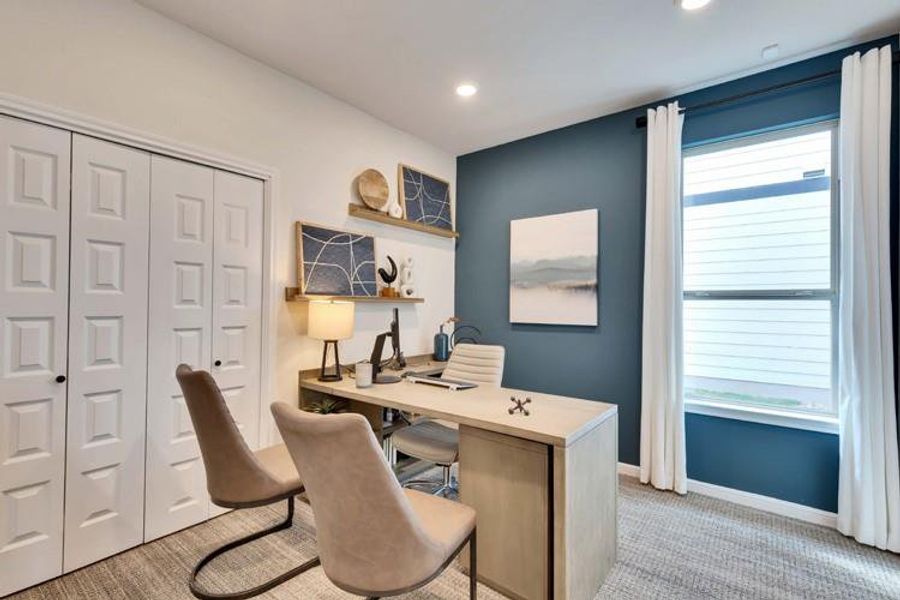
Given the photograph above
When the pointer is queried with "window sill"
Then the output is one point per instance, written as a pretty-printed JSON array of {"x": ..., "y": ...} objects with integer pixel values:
[{"x": 779, "y": 418}]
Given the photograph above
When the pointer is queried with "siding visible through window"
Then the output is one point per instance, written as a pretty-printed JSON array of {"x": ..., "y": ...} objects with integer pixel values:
[{"x": 759, "y": 272}]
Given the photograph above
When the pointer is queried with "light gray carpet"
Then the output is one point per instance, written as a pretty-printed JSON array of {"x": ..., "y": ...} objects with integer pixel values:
[
  {"x": 670, "y": 548},
  {"x": 680, "y": 547}
]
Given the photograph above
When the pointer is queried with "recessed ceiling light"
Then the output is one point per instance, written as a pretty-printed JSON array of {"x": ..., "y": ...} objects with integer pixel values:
[
  {"x": 692, "y": 4},
  {"x": 466, "y": 89}
]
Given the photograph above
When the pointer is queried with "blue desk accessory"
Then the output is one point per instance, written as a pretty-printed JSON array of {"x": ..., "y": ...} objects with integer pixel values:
[{"x": 441, "y": 345}]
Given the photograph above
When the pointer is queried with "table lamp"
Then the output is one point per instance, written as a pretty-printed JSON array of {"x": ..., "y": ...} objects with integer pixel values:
[{"x": 330, "y": 321}]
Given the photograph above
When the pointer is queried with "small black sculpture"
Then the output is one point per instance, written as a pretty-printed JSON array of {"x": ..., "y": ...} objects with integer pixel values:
[
  {"x": 519, "y": 406},
  {"x": 389, "y": 278}
]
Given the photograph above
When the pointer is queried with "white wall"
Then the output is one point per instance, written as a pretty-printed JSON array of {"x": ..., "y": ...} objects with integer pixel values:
[{"x": 117, "y": 61}]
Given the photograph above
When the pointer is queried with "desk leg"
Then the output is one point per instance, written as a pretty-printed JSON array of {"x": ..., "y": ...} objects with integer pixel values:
[{"x": 585, "y": 496}]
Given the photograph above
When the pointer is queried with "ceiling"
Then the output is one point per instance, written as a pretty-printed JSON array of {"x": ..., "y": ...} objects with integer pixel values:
[{"x": 539, "y": 64}]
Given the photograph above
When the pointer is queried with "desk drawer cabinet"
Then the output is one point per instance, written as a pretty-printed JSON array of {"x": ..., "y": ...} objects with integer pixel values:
[{"x": 546, "y": 514}]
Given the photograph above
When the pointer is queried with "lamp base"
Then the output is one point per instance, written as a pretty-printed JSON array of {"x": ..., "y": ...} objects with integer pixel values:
[{"x": 336, "y": 376}]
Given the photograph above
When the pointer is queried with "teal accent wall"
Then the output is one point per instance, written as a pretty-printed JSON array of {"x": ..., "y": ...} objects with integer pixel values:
[{"x": 601, "y": 164}]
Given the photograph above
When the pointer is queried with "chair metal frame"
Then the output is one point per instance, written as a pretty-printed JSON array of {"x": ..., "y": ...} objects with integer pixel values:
[
  {"x": 203, "y": 594},
  {"x": 473, "y": 573}
]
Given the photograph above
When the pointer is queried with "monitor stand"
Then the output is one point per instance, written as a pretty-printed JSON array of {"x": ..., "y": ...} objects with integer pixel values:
[{"x": 375, "y": 359}]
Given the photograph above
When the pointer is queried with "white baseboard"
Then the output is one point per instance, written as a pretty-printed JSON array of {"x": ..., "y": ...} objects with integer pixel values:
[
  {"x": 629, "y": 470},
  {"x": 757, "y": 501}
]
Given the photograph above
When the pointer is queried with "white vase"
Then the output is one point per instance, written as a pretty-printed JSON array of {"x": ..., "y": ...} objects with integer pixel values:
[{"x": 406, "y": 271}]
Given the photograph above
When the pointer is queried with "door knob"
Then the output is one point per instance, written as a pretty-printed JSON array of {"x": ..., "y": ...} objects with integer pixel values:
[
  {"x": 218, "y": 363},
  {"x": 60, "y": 379}
]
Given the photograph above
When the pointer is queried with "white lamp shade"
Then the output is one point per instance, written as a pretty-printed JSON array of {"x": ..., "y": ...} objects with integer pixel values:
[{"x": 330, "y": 320}]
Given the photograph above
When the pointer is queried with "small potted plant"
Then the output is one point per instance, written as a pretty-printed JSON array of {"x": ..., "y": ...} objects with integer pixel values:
[{"x": 326, "y": 406}]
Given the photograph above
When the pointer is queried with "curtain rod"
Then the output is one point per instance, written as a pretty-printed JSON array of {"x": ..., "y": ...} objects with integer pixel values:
[{"x": 641, "y": 122}]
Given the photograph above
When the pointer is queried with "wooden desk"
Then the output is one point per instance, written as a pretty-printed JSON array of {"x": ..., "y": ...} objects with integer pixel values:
[{"x": 544, "y": 486}]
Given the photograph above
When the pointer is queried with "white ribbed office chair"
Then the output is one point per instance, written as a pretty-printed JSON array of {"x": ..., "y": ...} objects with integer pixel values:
[{"x": 438, "y": 441}]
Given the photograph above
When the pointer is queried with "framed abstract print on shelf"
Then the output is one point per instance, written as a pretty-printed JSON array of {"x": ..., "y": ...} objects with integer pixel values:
[
  {"x": 332, "y": 262},
  {"x": 553, "y": 269},
  {"x": 425, "y": 198}
]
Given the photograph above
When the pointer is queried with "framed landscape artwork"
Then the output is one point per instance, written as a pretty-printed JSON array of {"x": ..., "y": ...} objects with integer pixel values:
[
  {"x": 553, "y": 269},
  {"x": 424, "y": 198},
  {"x": 332, "y": 262}
]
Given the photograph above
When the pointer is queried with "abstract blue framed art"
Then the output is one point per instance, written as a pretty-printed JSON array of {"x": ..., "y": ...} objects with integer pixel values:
[
  {"x": 331, "y": 262},
  {"x": 425, "y": 198}
]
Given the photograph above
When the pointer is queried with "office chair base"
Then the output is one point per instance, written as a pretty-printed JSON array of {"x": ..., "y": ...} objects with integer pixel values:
[
  {"x": 198, "y": 592},
  {"x": 435, "y": 488},
  {"x": 447, "y": 486}
]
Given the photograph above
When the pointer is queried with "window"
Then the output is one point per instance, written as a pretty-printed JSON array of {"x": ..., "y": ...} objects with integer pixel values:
[{"x": 760, "y": 277}]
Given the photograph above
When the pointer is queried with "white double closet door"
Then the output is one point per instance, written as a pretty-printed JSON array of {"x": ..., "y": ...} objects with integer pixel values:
[
  {"x": 205, "y": 304},
  {"x": 117, "y": 265}
]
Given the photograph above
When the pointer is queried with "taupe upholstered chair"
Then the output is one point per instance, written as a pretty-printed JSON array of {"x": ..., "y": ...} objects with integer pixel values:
[
  {"x": 375, "y": 538},
  {"x": 237, "y": 477},
  {"x": 438, "y": 441}
]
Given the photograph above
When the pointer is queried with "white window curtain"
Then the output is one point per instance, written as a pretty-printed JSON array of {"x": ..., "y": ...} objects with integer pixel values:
[
  {"x": 662, "y": 400},
  {"x": 869, "y": 490}
]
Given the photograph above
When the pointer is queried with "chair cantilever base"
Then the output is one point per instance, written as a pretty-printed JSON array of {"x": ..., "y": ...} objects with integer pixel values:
[
  {"x": 202, "y": 594},
  {"x": 471, "y": 540}
]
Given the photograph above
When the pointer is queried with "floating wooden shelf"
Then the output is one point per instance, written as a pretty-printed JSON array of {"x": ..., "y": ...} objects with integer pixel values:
[
  {"x": 292, "y": 294},
  {"x": 356, "y": 210}
]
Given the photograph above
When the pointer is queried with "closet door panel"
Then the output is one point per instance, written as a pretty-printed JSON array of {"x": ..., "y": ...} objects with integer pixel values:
[
  {"x": 34, "y": 271},
  {"x": 181, "y": 265},
  {"x": 237, "y": 299},
  {"x": 107, "y": 351}
]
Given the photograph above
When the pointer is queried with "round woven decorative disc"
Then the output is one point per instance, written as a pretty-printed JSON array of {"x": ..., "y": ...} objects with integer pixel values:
[{"x": 373, "y": 189}]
